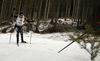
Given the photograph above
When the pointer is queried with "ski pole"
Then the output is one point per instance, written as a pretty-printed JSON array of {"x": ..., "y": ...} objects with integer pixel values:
[
  {"x": 11, "y": 34},
  {"x": 31, "y": 31},
  {"x": 71, "y": 43},
  {"x": 66, "y": 46},
  {"x": 30, "y": 37},
  {"x": 13, "y": 12}
]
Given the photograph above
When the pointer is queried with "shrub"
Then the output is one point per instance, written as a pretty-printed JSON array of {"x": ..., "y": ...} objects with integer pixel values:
[{"x": 89, "y": 42}]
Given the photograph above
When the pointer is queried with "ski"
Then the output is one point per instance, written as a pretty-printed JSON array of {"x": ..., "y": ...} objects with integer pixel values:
[
  {"x": 22, "y": 43},
  {"x": 30, "y": 37}
]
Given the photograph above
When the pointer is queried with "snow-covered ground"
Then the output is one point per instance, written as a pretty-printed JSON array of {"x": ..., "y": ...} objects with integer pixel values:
[{"x": 43, "y": 47}]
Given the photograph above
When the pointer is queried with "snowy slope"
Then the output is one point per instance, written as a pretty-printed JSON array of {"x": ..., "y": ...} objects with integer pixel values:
[{"x": 44, "y": 47}]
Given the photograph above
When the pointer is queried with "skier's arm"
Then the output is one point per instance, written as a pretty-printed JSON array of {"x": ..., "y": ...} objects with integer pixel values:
[
  {"x": 28, "y": 20},
  {"x": 13, "y": 13}
]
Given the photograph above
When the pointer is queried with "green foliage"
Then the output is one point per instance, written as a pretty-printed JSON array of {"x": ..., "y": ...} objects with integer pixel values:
[
  {"x": 77, "y": 37},
  {"x": 89, "y": 29},
  {"x": 72, "y": 37}
]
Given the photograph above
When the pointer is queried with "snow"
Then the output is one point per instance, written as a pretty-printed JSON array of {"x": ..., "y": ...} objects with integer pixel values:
[
  {"x": 43, "y": 47},
  {"x": 69, "y": 21},
  {"x": 1, "y": 28}
]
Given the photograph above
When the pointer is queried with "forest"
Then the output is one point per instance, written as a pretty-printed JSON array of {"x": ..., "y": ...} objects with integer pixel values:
[
  {"x": 50, "y": 25},
  {"x": 82, "y": 11}
]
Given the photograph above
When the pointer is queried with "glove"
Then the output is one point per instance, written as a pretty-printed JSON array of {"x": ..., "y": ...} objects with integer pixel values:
[{"x": 16, "y": 29}]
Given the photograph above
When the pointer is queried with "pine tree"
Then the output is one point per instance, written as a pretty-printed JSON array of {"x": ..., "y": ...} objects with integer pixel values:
[{"x": 89, "y": 42}]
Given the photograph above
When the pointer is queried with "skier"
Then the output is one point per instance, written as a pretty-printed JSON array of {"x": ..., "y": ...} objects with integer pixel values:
[{"x": 18, "y": 26}]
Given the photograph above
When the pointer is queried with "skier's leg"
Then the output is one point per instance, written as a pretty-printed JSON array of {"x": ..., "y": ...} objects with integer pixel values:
[
  {"x": 21, "y": 32},
  {"x": 17, "y": 36}
]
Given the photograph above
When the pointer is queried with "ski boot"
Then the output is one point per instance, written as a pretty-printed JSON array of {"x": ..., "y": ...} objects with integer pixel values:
[{"x": 23, "y": 42}]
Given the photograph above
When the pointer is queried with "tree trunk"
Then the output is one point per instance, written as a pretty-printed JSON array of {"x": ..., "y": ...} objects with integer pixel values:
[
  {"x": 69, "y": 8},
  {"x": 45, "y": 12},
  {"x": 20, "y": 6},
  {"x": 57, "y": 15},
  {"x": 37, "y": 30},
  {"x": 73, "y": 14},
  {"x": 77, "y": 13},
  {"x": 2, "y": 11},
  {"x": 48, "y": 9},
  {"x": 10, "y": 10},
  {"x": 66, "y": 13}
]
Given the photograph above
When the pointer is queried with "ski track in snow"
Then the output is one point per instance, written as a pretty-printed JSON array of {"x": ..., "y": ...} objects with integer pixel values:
[{"x": 44, "y": 47}]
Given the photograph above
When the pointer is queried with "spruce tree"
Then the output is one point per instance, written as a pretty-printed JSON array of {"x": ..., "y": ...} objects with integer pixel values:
[{"x": 90, "y": 42}]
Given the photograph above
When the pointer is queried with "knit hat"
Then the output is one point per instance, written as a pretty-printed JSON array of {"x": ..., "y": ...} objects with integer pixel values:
[{"x": 21, "y": 13}]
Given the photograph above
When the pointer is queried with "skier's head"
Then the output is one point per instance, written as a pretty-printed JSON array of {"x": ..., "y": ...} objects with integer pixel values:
[{"x": 21, "y": 14}]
